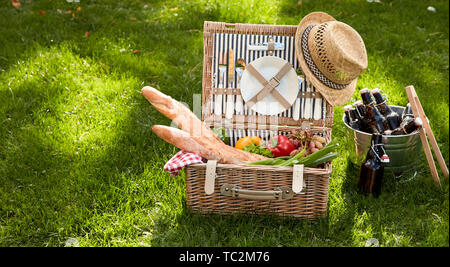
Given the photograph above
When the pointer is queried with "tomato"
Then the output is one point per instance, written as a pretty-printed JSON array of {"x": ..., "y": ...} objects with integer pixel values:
[{"x": 247, "y": 140}]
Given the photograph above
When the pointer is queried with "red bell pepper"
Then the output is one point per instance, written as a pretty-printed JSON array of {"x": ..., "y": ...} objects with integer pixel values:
[{"x": 280, "y": 146}]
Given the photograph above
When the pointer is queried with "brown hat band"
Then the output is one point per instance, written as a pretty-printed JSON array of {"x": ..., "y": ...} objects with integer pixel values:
[{"x": 312, "y": 66}]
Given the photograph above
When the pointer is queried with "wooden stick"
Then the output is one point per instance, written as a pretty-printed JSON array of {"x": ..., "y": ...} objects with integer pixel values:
[
  {"x": 423, "y": 137},
  {"x": 430, "y": 135}
]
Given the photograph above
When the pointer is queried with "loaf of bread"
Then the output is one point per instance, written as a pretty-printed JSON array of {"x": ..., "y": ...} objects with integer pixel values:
[
  {"x": 195, "y": 128},
  {"x": 185, "y": 142}
]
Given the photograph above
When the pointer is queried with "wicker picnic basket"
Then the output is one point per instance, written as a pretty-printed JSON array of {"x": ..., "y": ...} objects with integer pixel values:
[{"x": 256, "y": 189}]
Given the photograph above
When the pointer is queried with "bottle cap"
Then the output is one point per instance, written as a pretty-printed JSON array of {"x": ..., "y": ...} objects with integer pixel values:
[
  {"x": 418, "y": 121},
  {"x": 385, "y": 158},
  {"x": 365, "y": 90},
  {"x": 374, "y": 91},
  {"x": 348, "y": 107},
  {"x": 358, "y": 103}
]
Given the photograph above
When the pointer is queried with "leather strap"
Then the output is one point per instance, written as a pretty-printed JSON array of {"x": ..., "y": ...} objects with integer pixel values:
[
  {"x": 270, "y": 46},
  {"x": 297, "y": 178},
  {"x": 210, "y": 176},
  {"x": 269, "y": 86}
]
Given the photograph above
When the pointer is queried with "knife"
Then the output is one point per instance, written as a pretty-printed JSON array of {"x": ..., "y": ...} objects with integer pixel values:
[
  {"x": 230, "y": 106},
  {"x": 218, "y": 98},
  {"x": 296, "y": 115},
  {"x": 240, "y": 67}
]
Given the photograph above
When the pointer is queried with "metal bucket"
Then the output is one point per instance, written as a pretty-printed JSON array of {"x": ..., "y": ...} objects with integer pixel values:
[{"x": 403, "y": 150}]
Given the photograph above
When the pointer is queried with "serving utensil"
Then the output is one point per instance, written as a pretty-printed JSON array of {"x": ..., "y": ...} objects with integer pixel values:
[
  {"x": 265, "y": 46},
  {"x": 230, "y": 103},
  {"x": 240, "y": 67},
  {"x": 296, "y": 110},
  {"x": 218, "y": 103}
]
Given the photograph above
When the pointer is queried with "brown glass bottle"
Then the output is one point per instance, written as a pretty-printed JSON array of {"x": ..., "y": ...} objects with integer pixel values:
[
  {"x": 350, "y": 115},
  {"x": 366, "y": 97},
  {"x": 376, "y": 122},
  {"x": 372, "y": 169},
  {"x": 407, "y": 112},
  {"x": 408, "y": 127},
  {"x": 363, "y": 120},
  {"x": 393, "y": 118}
]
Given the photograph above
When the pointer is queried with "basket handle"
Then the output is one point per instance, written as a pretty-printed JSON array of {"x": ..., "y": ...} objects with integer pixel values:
[
  {"x": 284, "y": 192},
  {"x": 234, "y": 190}
]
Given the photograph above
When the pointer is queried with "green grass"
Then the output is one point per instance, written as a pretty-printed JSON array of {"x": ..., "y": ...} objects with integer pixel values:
[{"x": 78, "y": 160}]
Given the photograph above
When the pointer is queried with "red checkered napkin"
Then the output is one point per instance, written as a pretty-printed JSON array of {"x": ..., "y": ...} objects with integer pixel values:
[{"x": 180, "y": 160}]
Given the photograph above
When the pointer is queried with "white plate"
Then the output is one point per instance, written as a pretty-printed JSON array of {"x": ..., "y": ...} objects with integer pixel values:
[{"x": 268, "y": 67}]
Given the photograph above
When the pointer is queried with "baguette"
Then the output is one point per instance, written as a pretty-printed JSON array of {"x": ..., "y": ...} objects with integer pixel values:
[
  {"x": 198, "y": 131},
  {"x": 178, "y": 113},
  {"x": 185, "y": 142}
]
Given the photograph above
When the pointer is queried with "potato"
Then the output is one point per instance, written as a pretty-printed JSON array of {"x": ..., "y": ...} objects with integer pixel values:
[
  {"x": 318, "y": 144},
  {"x": 318, "y": 138},
  {"x": 314, "y": 150}
]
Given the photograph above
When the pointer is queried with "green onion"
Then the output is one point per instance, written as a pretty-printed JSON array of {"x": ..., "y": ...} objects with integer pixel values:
[
  {"x": 319, "y": 154},
  {"x": 290, "y": 161},
  {"x": 269, "y": 161},
  {"x": 326, "y": 158}
]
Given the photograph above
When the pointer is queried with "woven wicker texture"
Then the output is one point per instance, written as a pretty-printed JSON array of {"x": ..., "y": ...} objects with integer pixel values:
[
  {"x": 328, "y": 55},
  {"x": 336, "y": 50},
  {"x": 312, "y": 202}
]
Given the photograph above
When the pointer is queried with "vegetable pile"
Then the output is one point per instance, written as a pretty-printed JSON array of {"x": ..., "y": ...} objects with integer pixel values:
[
  {"x": 280, "y": 146},
  {"x": 298, "y": 147},
  {"x": 306, "y": 139},
  {"x": 257, "y": 149},
  {"x": 326, "y": 154}
]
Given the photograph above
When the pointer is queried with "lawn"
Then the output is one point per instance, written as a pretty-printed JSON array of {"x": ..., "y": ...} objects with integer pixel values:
[{"x": 80, "y": 166}]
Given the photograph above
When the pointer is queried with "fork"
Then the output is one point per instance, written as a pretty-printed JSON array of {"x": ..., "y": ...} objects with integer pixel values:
[{"x": 222, "y": 69}]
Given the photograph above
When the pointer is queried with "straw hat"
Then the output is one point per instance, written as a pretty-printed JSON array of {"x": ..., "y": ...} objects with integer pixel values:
[{"x": 331, "y": 54}]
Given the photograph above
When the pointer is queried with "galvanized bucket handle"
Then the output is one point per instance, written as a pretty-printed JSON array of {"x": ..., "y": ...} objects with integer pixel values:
[{"x": 372, "y": 147}]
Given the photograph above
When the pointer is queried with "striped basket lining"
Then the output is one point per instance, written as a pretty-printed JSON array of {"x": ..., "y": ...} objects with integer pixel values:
[{"x": 310, "y": 108}]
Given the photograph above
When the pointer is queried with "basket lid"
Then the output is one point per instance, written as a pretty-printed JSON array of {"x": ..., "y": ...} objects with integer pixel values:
[{"x": 224, "y": 43}]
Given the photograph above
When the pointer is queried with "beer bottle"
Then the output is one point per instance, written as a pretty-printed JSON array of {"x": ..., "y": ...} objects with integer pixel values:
[
  {"x": 377, "y": 122},
  {"x": 350, "y": 114},
  {"x": 365, "y": 96},
  {"x": 407, "y": 115},
  {"x": 372, "y": 169},
  {"x": 393, "y": 118},
  {"x": 408, "y": 127},
  {"x": 363, "y": 120},
  {"x": 407, "y": 112}
]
